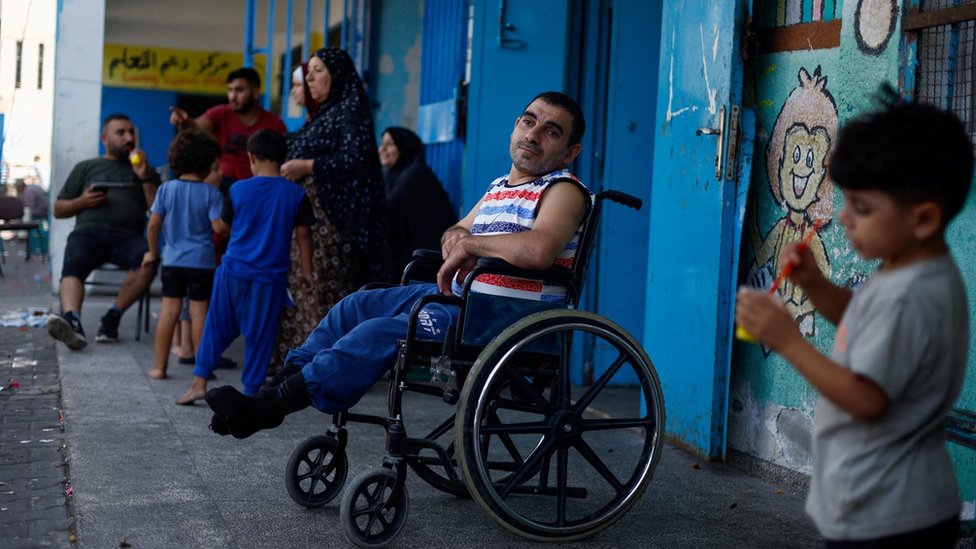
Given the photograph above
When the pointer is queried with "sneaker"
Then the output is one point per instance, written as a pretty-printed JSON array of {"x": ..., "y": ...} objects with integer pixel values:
[
  {"x": 108, "y": 331},
  {"x": 68, "y": 330}
]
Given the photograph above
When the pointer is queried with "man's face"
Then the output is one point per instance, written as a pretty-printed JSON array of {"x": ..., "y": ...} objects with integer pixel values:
[
  {"x": 540, "y": 140},
  {"x": 241, "y": 95},
  {"x": 119, "y": 138}
]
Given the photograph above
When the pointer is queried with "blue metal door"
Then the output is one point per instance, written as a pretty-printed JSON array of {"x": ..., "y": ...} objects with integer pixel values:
[
  {"x": 691, "y": 242},
  {"x": 441, "y": 111},
  {"x": 518, "y": 50}
]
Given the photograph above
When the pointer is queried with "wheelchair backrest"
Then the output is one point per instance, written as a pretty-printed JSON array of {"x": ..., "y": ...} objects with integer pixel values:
[{"x": 590, "y": 233}]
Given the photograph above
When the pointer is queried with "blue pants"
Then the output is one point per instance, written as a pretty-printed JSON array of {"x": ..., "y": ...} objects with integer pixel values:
[
  {"x": 240, "y": 306},
  {"x": 355, "y": 344}
]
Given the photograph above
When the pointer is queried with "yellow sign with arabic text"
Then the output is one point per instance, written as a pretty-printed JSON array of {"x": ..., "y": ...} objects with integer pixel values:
[{"x": 187, "y": 71}]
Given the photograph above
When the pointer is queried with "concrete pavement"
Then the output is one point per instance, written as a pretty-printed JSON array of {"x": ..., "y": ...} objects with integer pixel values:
[{"x": 146, "y": 473}]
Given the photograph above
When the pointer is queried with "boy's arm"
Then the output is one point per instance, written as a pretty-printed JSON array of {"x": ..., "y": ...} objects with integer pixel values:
[
  {"x": 766, "y": 318},
  {"x": 152, "y": 239},
  {"x": 220, "y": 227},
  {"x": 304, "y": 236},
  {"x": 829, "y": 299}
]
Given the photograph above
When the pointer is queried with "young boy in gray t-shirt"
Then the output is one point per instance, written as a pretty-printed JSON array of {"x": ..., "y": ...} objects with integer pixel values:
[{"x": 882, "y": 476}]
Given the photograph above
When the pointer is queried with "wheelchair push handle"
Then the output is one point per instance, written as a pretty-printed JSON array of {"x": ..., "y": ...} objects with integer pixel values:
[{"x": 625, "y": 199}]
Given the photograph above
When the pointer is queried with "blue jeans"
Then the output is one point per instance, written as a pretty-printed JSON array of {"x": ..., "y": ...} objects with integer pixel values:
[{"x": 355, "y": 344}]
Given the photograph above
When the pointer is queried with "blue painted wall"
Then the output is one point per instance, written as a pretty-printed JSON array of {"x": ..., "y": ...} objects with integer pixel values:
[
  {"x": 394, "y": 76},
  {"x": 149, "y": 111}
]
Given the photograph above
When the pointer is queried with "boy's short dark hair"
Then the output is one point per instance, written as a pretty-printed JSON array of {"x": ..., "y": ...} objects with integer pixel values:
[
  {"x": 911, "y": 151},
  {"x": 247, "y": 73},
  {"x": 194, "y": 152},
  {"x": 268, "y": 145}
]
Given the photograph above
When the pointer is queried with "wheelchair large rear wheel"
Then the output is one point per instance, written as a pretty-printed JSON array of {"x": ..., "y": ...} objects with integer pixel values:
[
  {"x": 316, "y": 472},
  {"x": 547, "y": 460}
]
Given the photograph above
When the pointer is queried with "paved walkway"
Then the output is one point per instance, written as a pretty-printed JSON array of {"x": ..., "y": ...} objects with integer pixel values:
[
  {"x": 34, "y": 510},
  {"x": 146, "y": 473}
]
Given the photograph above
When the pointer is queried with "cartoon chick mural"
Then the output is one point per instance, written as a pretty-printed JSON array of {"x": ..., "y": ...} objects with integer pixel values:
[{"x": 796, "y": 158}]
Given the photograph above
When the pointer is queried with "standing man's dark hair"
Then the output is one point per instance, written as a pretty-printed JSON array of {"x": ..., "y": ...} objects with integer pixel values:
[
  {"x": 247, "y": 73},
  {"x": 560, "y": 99},
  {"x": 268, "y": 145},
  {"x": 115, "y": 116}
]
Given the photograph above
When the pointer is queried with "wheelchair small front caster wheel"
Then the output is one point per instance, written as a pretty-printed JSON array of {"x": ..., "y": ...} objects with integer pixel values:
[
  {"x": 316, "y": 472},
  {"x": 373, "y": 510}
]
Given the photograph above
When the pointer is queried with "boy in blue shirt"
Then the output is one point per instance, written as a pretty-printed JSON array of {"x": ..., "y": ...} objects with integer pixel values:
[
  {"x": 186, "y": 212},
  {"x": 251, "y": 283},
  {"x": 882, "y": 476}
]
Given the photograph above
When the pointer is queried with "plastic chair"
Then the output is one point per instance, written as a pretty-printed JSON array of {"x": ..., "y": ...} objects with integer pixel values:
[
  {"x": 11, "y": 219},
  {"x": 142, "y": 312}
]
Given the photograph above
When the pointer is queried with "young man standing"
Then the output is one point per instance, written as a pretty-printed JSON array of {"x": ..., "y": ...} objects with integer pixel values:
[{"x": 233, "y": 123}]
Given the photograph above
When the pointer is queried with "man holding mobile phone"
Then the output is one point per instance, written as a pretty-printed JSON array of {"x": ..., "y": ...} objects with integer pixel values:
[{"x": 109, "y": 197}]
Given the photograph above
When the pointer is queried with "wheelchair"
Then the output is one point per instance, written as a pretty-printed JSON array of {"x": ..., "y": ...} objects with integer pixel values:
[{"x": 522, "y": 441}]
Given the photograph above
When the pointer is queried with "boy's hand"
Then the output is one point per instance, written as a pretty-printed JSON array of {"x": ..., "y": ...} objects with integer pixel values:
[
  {"x": 149, "y": 259},
  {"x": 765, "y": 318},
  {"x": 805, "y": 272},
  {"x": 307, "y": 277}
]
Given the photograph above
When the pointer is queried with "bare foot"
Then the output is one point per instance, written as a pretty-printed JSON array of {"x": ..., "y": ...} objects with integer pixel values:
[
  {"x": 157, "y": 373},
  {"x": 190, "y": 396}
]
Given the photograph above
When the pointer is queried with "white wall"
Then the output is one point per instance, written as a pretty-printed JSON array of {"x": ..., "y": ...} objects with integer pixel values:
[
  {"x": 28, "y": 109},
  {"x": 77, "y": 106}
]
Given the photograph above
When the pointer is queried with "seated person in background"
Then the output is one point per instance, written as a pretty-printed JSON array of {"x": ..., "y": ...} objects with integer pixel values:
[
  {"x": 186, "y": 214},
  {"x": 33, "y": 197},
  {"x": 418, "y": 209},
  {"x": 251, "y": 282},
  {"x": 110, "y": 197},
  {"x": 530, "y": 217}
]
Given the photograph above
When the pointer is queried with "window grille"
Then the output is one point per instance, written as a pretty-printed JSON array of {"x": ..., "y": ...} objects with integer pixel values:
[
  {"x": 20, "y": 54},
  {"x": 40, "y": 66},
  {"x": 946, "y": 53}
]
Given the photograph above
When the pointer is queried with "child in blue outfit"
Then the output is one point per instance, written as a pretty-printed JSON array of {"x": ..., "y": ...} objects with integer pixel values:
[
  {"x": 251, "y": 282},
  {"x": 185, "y": 213},
  {"x": 882, "y": 476}
]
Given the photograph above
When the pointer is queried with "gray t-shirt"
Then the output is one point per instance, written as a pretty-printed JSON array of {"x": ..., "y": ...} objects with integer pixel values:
[{"x": 908, "y": 331}]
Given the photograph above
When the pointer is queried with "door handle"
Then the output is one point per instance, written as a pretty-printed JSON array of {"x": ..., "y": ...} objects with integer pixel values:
[{"x": 719, "y": 143}]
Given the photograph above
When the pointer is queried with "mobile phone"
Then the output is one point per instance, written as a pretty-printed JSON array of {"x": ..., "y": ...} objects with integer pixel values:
[{"x": 99, "y": 188}]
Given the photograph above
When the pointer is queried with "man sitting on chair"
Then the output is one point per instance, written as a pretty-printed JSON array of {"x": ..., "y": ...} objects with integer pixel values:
[
  {"x": 110, "y": 196},
  {"x": 532, "y": 218}
]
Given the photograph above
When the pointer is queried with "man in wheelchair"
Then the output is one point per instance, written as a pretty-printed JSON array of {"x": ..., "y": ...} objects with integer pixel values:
[{"x": 532, "y": 218}]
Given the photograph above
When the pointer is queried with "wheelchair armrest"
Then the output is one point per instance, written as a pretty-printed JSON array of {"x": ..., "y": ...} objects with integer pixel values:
[
  {"x": 494, "y": 265},
  {"x": 430, "y": 260}
]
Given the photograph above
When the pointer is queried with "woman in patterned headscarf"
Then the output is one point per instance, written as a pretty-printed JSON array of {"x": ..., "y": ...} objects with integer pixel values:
[{"x": 333, "y": 156}]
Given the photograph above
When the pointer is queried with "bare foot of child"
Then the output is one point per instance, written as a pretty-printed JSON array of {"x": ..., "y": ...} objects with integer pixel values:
[
  {"x": 190, "y": 396},
  {"x": 157, "y": 373}
]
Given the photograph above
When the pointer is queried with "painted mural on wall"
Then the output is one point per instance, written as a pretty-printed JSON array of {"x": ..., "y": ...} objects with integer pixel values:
[
  {"x": 874, "y": 23},
  {"x": 796, "y": 157}
]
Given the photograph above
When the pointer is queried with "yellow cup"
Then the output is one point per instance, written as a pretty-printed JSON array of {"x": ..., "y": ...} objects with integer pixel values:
[{"x": 135, "y": 159}]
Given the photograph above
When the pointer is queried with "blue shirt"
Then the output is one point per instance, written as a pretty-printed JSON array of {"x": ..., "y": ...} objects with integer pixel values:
[
  {"x": 187, "y": 209},
  {"x": 264, "y": 212}
]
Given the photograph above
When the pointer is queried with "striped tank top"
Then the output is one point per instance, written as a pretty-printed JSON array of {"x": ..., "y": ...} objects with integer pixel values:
[{"x": 508, "y": 210}]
